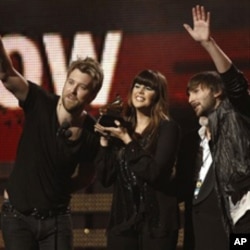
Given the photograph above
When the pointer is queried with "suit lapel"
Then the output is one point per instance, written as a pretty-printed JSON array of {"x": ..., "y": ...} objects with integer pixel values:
[{"x": 206, "y": 187}]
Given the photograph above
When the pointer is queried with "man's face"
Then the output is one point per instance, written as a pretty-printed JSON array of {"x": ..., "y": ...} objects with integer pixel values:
[
  {"x": 203, "y": 100},
  {"x": 77, "y": 91}
]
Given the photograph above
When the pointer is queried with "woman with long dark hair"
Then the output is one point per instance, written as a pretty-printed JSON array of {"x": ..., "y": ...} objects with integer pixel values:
[{"x": 139, "y": 163}]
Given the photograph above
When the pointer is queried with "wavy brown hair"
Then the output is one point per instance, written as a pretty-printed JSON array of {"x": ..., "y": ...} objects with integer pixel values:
[{"x": 207, "y": 79}]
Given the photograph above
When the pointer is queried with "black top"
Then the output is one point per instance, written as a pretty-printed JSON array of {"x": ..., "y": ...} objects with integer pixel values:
[
  {"x": 142, "y": 182},
  {"x": 45, "y": 158}
]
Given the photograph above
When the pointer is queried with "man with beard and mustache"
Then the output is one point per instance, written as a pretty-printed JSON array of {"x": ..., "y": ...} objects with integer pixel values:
[
  {"x": 56, "y": 142},
  {"x": 214, "y": 163}
]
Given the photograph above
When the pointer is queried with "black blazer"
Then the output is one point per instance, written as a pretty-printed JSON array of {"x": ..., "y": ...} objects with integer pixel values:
[{"x": 202, "y": 214}]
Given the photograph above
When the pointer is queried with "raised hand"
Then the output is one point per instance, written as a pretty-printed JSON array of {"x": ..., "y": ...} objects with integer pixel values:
[{"x": 201, "y": 24}]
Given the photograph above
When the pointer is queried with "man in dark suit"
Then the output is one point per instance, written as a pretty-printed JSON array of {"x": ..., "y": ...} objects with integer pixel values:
[{"x": 214, "y": 164}]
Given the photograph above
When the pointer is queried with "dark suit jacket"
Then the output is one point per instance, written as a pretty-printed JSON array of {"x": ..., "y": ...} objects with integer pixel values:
[{"x": 203, "y": 227}]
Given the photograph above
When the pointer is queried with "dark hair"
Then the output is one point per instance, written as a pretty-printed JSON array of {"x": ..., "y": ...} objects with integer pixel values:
[
  {"x": 160, "y": 107},
  {"x": 207, "y": 79},
  {"x": 91, "y": 67}
]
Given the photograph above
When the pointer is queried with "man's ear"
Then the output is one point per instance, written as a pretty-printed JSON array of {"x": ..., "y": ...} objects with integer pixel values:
[{"x": 218, "y": 94}]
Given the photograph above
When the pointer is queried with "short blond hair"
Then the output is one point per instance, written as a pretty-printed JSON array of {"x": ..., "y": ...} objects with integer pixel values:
[{"x": 89, "y": 66}]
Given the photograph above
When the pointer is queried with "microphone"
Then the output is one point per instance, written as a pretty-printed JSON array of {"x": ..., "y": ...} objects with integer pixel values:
[{"x": 63, "y": 130}]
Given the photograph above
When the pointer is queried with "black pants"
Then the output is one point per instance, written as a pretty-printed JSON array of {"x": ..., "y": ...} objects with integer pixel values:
[
  {"x": 209, "y": 231},
  {"x": 26, "y": 232}
]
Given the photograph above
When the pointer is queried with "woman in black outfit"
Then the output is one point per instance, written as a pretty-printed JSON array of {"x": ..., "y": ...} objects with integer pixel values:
[{"x": 140, "y": 166}]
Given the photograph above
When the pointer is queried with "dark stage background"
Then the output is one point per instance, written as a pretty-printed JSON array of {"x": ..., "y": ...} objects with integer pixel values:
[{"x": 126, "y": 36}]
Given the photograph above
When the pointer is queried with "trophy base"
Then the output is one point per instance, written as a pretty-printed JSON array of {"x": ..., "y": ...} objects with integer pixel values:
[{"x": 109, "y": 121}]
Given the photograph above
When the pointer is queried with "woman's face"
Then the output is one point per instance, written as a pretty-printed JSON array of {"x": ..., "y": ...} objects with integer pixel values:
[{"x": 142, "y": 96}]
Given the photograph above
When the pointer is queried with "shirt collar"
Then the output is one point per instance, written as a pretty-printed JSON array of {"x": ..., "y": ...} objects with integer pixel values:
[{"x": 203, "y": 121}]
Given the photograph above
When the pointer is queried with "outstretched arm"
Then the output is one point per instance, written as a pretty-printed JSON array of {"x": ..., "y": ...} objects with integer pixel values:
[
  {"x": 11, "y": 79},
  {"x": 201, "y": 33},
  {"x": 236, "y": 84}
]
